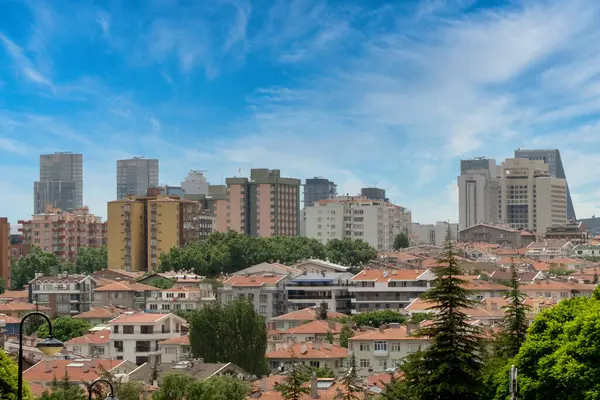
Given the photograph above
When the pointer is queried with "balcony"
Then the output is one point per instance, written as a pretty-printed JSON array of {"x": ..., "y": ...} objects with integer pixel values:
[{"x": 380, "y": 353}]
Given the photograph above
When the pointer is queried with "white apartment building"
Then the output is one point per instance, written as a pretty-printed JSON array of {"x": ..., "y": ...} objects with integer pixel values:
[
  {"x": 175, "y": 349},
  {"x": 312, "y": 289},
  {"x": 529, "y": 198},
  {"x": 195, "y": 183},
  {"x": 135, "y": 337},
  {"x": 430, "y": 234},
  {"x": 478, "y": 192},
  {"x": 373, "y": 221},
  {"x": 376, "y": 289},
  {"x": 182, "y": 298}
]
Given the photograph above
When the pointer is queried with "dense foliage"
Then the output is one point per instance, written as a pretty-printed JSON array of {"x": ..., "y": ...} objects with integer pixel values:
[
  {"x": 230, "y": 333},
  {"x": 514, "y": 323},
  {"x": 231, "y": 251},
  {"x": 2, "y": 285},
  {"x": 175, "y": 386},
  {"x": 401, "y": 241},
  {"x": 378, "y": 317},
  {"x": 8, "y": 379},
  {"x": 350, "y": 381},
  {"x": 450, "y": 368},
  {"x": 64, "y": 328},
  {"x": 90, "y": 260},
  {"x": 64, "y": 390},
  {"x": 345, "y": 334},
  {"x": 292, "y": 387}
]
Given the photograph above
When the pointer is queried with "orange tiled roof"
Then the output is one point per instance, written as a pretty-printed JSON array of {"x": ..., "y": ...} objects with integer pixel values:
[
  {"x": 252, "y": 280},
  {"x": 125, "y": 287},
  {"x": 76, "y": 372},
  {"x": 96, "y": 313},
  {"x": 19, "y": 307},
  {"x": 324, "y": 351},
  {"x": 554, "y": 285},
  {"x": 14, "y": 294},
  {"x": 181, "y": 340},
  {"x": 306, "y": 314},
  {"x": 319, "y": 327},
  {"x": 182, "y": 289},
  {"x": 95, "y": 337},
  {"x": 565, "y": 260},
  {"x": 10, "y": 320},
  {"x": 138, "y": 318},
  {"x": 378, "y": 275},
  {"x": 398, "y": 333},
  {"x": 478, "y": 286}
]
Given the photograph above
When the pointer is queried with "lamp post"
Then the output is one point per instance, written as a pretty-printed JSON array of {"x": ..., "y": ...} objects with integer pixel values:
[
  {"x": 111, "y": 396},
  {"x": 48, "y": 346}
]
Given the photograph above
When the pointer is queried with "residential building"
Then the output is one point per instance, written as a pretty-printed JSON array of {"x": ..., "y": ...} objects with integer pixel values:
[
  {"x": 573, "y": 231},
  {"x": 178, "y": 298},
  {"x": 266, "y": 292},
  {"x": 135, "y": 337},
  {"x": 317, "y": 266},
  {"x": 9, "y": 326},
  {"x": 265, "y": 205},
  {"x": 165, "y": 190},
  {"x": 313, "y": 289},
  {"x": 64, "y": 233},
  {"x": 557, "y": 290},
  {"x": 195, "y": 183},
  {"x": 318, "y": 388},
  {"x": 376, "y": 289},
  {"x": 19, "y": 310},
  {"x": 422, "y": 234},
  {"x": 313, "y": 354},
  {"x": 530, "y": 199},
  {"x": 441, "y": 231},
  {"x": 378, "y": 350},
  {"x": 374, "y": 221},
  {"x": 274, "y": 268},
  {"x": 14, "y": 296},
  {"x": 586, "y": 251},
  {"x": 197, "y": 369},
  {"x": 125, "y": 294},
  {"x": 135, "y": 176},
  {"x": 503, "y": 236},
  {"x": 5, "y": 251},
  {"x": 64, "y": 294},
  {"x": 60, "y": 183},
  {"x": 315, "y": 331},
  {"x": 145, "y": 227},
  {"x": 548, "y": 249},
  {"x": 92, "y": 345},
  {"x": 373, "y": 193},
  {"x": 175, "y": 349},
  {"x": 98, "y": 315},
  {"x": 318, "y": 188},
  {"x": 78, "y": 371},
  {"x": 478, "y": 192},
  {"x": 297, "y": 318},
  {"x": 555, "y": 169}
]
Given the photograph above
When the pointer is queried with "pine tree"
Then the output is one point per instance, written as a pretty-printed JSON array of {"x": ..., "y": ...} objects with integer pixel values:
[
  {"x": 451, "y": 367},
  {"x": 349, "y": 382},
  {"x": 514, "y": 323},
  {"x": 323, "y": 311},
  {"x": 291, "y": 387}
]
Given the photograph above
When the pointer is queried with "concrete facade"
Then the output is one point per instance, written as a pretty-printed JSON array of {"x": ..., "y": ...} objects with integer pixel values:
[
  {"x": 313, "y": 289},
  {"x": 195, "y": 183},
  {"x": 316, "y": 189},
  {"x": 64, "y": 294},
  {"x": 5, "y": 251},
  {"x": 478, "y": 192},
  {"x": 505, "y": 237}
]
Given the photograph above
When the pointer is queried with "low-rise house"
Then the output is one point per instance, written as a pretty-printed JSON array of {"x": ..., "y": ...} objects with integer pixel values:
[
  {"x": 94, "y": 344},
  {"x": 266, "y": 291},
  {"x": 296, "y": 318},
  {"x": 9, "y": 325},
  {"x": 567, "y": 263},
  {"x": 31, "y": 354},
  {"x": 379, "y": 350},
  {"x": 79, "y": 371},
  {"x": 19, "y": 310},
  {"x": 126, "y": 294},
  {"x": 315, "y": 331},
  {"x": 573, "y": 231},
  {"x": 14, "y": 296},
  {"x": 313, "y": 266},
  {"x": 64, "y": 294},
  {"x": 176, "y": 279},
  {"x": 175, "y": 349},
  {"x": 176, "y": 298},
  {"x": 318, "y": 388},
  {"x": 483, "y": 289},
  {"x": 548, "y": 249},
  {"x": 313, "y": 354},
  {"x": 135, "y": 337},
  {"x": 504, "y": 275},
  {"x": 485, "y": 233},
  {"x": 116, "y": 275},
  {"x": 197, "y": 369},
  {"x": 376, "y": 289},
  {"x": 586, "y": 251},
  {"x": 99, "y": 315},
  {"x": 313, "y": 289},
  {"x": 557, "y": 290}
]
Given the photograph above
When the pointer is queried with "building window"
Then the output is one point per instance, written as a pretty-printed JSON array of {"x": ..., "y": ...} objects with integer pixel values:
[
  {"x": 170, "y": 350},
  {"x": 170, "y": 295},
  {"x": 364, "y": 346},
  {"x": 263, "y": 309},
  {"x": 380, "y": 346},
  {"x": 383, "y": 364},
  {"x": 315, "y": 364},
  {"x": 118, "y": 346},
  {"x": 142, "y": 346},
  {"x": 116, "y": 329},
  {"x": 166, "y": 307},
  {"x": 154, "y": 306},
  {"x": 128, "y": 329},
  {"x": 364, "y": 363},
  {"x": 141, "y": 360},
  {"x": 77, "y": 349},
  {"x": 395, "y": 347},
  {"x": 147, "y": 329}
]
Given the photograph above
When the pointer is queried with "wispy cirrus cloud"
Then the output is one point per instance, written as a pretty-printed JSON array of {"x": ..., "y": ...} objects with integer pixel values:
[{"x": 23, "y": 65}]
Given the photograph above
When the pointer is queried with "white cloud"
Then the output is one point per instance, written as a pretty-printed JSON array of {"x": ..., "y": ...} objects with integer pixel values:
[{"x": 23, "y": 64}]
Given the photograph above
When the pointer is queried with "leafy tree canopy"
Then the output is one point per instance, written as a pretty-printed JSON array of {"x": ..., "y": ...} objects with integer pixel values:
[
  {"x": 8, "y": 379},
  {"x": 2, "y": 285},
  {"x": 401, "y": 241},
  {"x": 90, "y": 260},
  {"x": 24, "y": 269},
  {"x": 175, "y": 386},
  {"x": 65, "y": 328},
  {"x": 351, "y": 252},
  {"x": 378, "y": 317}
]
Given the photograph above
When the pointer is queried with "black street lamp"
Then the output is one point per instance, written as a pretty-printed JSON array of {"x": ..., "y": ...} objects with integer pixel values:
[
  {"x": 111, "y": 396},
  {"x": 48, "y": 346}
]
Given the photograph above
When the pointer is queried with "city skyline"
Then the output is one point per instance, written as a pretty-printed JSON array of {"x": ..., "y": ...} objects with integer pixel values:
[{"x": 387, "y": 95}]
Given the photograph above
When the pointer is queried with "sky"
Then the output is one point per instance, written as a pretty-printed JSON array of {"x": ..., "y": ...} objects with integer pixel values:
[{"x": 386, "y": 94}]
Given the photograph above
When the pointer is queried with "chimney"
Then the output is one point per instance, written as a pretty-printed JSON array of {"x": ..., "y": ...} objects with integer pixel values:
[
  {"x": 303, "y": 348},
  {"x": 155, "y": 383},
  {"x": 54, "y": 363},
  {"x": 381, "y": 327},
  {"x": 314, "y": 393},
  {"x": 47, "y": 365},
  {"x": 317, "y": 346},
  {"x": 86, "y": 367},
  {"x": 331, "y": 324}
]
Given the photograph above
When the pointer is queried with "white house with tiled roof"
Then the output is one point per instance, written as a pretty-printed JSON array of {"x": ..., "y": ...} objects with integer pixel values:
[
  {"x": 175, "y": 349},
  {"x": 309, "y": 332},
  {"x": 79, "y": 371},
  {"x": 296, "y": 318},
  {"x": 265, "y": 267},
  {"x": 135, "y": 337},
  {"x": 313, "y": 354},
  {"x": 317, "y": 266},
  {"x": 94, "y": 344},
  {"x": 176, "y": 298}
]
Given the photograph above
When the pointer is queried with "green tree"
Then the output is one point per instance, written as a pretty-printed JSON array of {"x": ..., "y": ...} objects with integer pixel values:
[
  {"x": 329, "y": 337},
  {"x": 90, "y": 259},
  {"x": 291, "y": 388},
  {"x": 323, "y": 311},
  {"x": 65, "y": 328},
  {"x": 2, "y": 285},
  {"x": 63, "y": 390},
  {"x": 350, "y": 382},
  {"x": 345, "y": 334},
  {"x": 24, "y": 269},
  {"x": 9, "y": 378},
  {"x": 514, "y": 323},
  {"x": 451, "y": 367},
  {"x": 223, "y": 388},
  {"x": 174, "y": 386},
  {"x": 401, "y": 241},
  {"x": 417, "y": 318},
  {"x": 352, "y": 252},
  {"x": 160, "y": 283},
  {"x": 378, "y": 317},
  {"x": 231, "y": 333}
]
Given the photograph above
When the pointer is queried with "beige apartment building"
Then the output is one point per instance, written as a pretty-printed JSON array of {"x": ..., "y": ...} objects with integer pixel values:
[
  {"x": 529, "y": 198},
  {"x": 264, "y": 205},
  {"x": 376, "y": 222},
  {"x": 63, "y": 233},
  {"x": 5, "y": 251}
]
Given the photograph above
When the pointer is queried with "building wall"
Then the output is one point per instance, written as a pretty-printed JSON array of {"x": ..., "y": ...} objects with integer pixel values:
[
  {"x": 221, "y": 215},
  {"x": 121, "y": 299},
  {"x": 135, "y": 176},
  {"x": 164, "y": 229},
  {"x": 127, "y": 235},
  {"x": 265, "y": 207},
  {"x": 551, "y": 203},
  {"x": 236, "y": 207},
  {"x": 478, "y": 199},
  {"x": 195, "y": 183},
  {"x": 5, "y": 250},
  {"x": 489, "y": 234}
]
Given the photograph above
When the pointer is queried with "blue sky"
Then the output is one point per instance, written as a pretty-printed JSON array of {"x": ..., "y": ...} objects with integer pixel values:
[{"x": 364, "y": 93}]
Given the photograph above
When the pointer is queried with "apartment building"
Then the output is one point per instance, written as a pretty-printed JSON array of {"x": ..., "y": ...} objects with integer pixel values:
[
  {"x": 63, "y": 233},
  {"x": 195, "y": 183},
  {"x": 376, "y": 289},
  {"x": 144, "y": 227},
  {"x": 313, "y": 289},
  {"x": 378, "y": 350},
  {"x": 94, "y": 344},
  {"x": 98, "y": 315},
  {"x": 19, "y": 310},
  {"x": 175, "y": 349},
  {"x": 501, "y": 235},
  {"x": 315, "y": 331},
  {"x": 374, "y": 221},
  {"x": 557, "y": 290},
  {"x": 135, "y": 176},
  {"x": 318, "y": 266},
  {"x": 178, "y": 298},
  {"x": 127, "y": 294},
  {"x": 549, "y": 249},
  {"x": 266, "y": 291},
  {"x": 135, "y": 337},
  {"x": 478, "y": 192},
  {"x": 313, "y": 354},
  {"x": 297, "y": 318},
  {"x": 265, "y": 205},
  {"x": 529, "y": 198},
  {"x": 61, "y": 182},
  {"x": 64, "y": 294},
  {"x": 316, "y": 189},
  {"x": 5, "y": 251}
]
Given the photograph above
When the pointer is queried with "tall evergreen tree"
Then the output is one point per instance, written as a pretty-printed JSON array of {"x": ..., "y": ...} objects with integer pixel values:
[
  {"x": 291, "y": 387},
  {"x": 514, "y": 323},
  {"x": 451, "y": 367},
  {"x": 350, "y": 388},
  {"x": 323, "y": 311}
]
